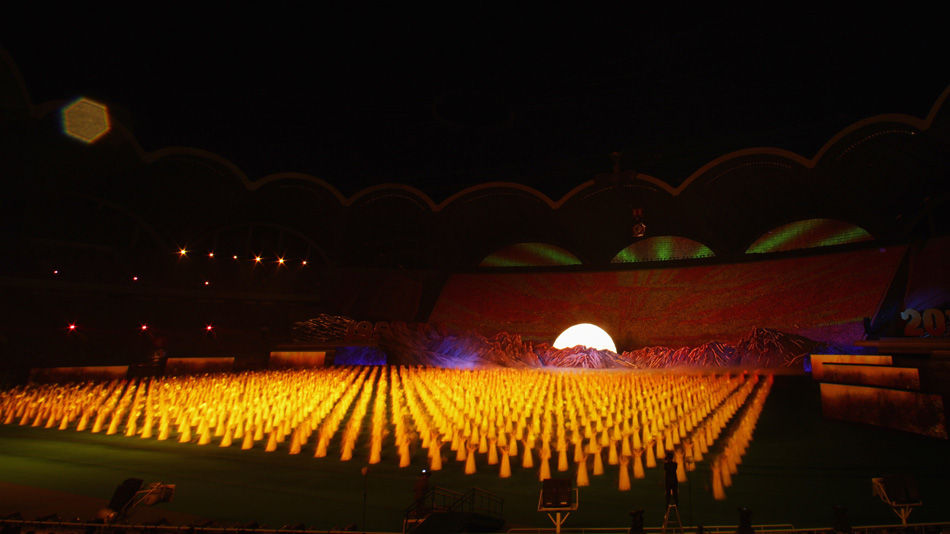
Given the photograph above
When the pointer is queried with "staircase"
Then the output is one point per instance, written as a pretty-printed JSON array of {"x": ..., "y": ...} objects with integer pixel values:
[{"x": 442, "y": 510}]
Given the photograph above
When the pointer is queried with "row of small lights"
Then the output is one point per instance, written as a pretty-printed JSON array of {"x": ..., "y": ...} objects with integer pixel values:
[
  {"x": 72, "y": 327},
  {"x": 182, "y": 252}
]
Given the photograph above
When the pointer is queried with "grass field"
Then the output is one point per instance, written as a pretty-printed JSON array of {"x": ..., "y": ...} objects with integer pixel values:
[{"x": 797, "y": 467}]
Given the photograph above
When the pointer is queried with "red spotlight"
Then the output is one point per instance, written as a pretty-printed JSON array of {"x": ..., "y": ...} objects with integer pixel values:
[
  {"x": 304, "y": 262},
  {"x": 207, "y": 283},
  {"x": 55, "y": 271},
  {"x": 211, "y": 254},
  {"x": 257, "y": 259},
  {"x": 280, "y": 261},
  {"x": 209, "y": 328},
  {"x": 144, "y": 327},
  {"x": 135, "y": 278},
  {"x": 72, "y": 327},
  {"x": 235, "y": 256},
  {"x": 182, "y": 251}
]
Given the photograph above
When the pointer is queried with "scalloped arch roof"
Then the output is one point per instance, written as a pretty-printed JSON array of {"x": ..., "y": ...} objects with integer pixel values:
[
  {"x": 40, "y": 109},
  {"x": 778, "y": 153}
]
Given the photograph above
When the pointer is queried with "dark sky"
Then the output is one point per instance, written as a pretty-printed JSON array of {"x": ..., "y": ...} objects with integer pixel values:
[{"x": 442, "y": 99}]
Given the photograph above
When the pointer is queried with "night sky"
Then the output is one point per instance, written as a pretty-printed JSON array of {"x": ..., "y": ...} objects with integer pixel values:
[{"x": 442, "y": 99}]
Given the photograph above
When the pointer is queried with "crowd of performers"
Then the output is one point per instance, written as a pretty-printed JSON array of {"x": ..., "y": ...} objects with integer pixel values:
[{"x": 566, "y": 421}]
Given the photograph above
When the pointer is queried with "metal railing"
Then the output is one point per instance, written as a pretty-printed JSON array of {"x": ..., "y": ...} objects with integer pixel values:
[
  {"x": 707, "y": 529},
  {"x": 479, "y": 501},
  {"x": 86, "y": 527},
  {"x": 781, "y": 528}
]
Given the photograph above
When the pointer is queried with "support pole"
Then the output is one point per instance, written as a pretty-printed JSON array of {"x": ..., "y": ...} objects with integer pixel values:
[{"x": 558, "y": 521}]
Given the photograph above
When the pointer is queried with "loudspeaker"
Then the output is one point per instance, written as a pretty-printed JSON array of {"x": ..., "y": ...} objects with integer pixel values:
[
  {"x": 124, "y": 493},
  {"x": 556, "y": 493}
]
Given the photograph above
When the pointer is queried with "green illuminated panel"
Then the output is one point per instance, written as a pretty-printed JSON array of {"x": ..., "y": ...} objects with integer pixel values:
[
  {"x": 530, "y": 255},
  {"x": 809, "y": 233},
  {"x": 663, "y": 248}
]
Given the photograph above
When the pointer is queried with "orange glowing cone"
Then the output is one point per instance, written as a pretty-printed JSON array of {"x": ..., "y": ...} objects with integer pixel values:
[
  {"x": 321, "y": 450},
  {"x": 623, "y": 483},
  {"x": 470, "y": 459},
  {"x": 113, "y": 424},
  {"x": 65, "y": 420},
  {"x": 346, "y": 452},
  {"x": 719, "y": 493},
  {"x": 164, "y": 428},
  {"x": 562, "y": 458},
  {"x": 204, "y": 433},
  {"x": 295, "y": 444},
  {"x": 404, "y": 457},
  {"x": 582, "y": 479},
  {"x": 247, "y": 442},
  {"x": 435, "y": 456},
  {"x": 638, "y": 464},
  {"x": 598, "y": 460},
  {"x": 651, "y": 458},
  {"x": 680, "y": 465},
  {"x": 578, "y": 452},
  {"x": 505, "y": 470},
  {"x": 227, "y": 439},
  {"x": 527, "y": 461},
  {"x": 724, "y": 472},
  {"x": 147, "y": 426},
  {"x": 544, "y": 472},
  {"x": 83, "y": 421},
  {"x": 185, "y": 435},
  {"x": 612, "y": 453}
]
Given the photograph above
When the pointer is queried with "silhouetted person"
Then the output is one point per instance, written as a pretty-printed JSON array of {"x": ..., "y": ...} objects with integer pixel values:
[
  {"x": 672, "y": 485},
  {"x": 420, "y": 489},
  {"x": 636, "y": 522},
  {"x": 745, "y": 521}
]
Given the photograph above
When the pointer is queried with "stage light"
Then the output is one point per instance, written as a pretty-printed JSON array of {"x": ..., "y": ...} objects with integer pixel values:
[
  {"x": 211, "y": 254},
  {"x": 257, "y": 259},
  {"x": 209, "y": 328},
  {"x": 207, "y": 283},
  {"x": 280, "y": 261},
  {"x": 234, "y": 257},
  {"x": 182, "y": 251},
  {"x": 304, "y": 262},
  {"x": 587, "y": 335},
  {"x": 144, "y": 327},
  {"x": 72, "y": 327},
  {"x": 135, "y": 278},
  {"x": 85, "y": 120},
  {"x": 55, "y": 271}
]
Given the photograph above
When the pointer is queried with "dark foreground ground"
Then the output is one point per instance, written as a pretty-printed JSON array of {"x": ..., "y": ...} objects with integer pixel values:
[{"x": 798, "y": 466}]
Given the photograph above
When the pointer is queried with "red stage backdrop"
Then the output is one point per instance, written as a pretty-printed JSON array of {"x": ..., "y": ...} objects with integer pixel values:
[{"x": 821, "y": 297}]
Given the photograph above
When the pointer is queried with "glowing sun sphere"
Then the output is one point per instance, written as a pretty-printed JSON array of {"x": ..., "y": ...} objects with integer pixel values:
[{"x": 586, "y": 334}]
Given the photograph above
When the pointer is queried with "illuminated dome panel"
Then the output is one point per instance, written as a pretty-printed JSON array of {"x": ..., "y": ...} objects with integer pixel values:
[
  {"x": 530, "y": 255},
  {"x": 809, "y": 233},
  {"x": 663, "y": 248}
]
